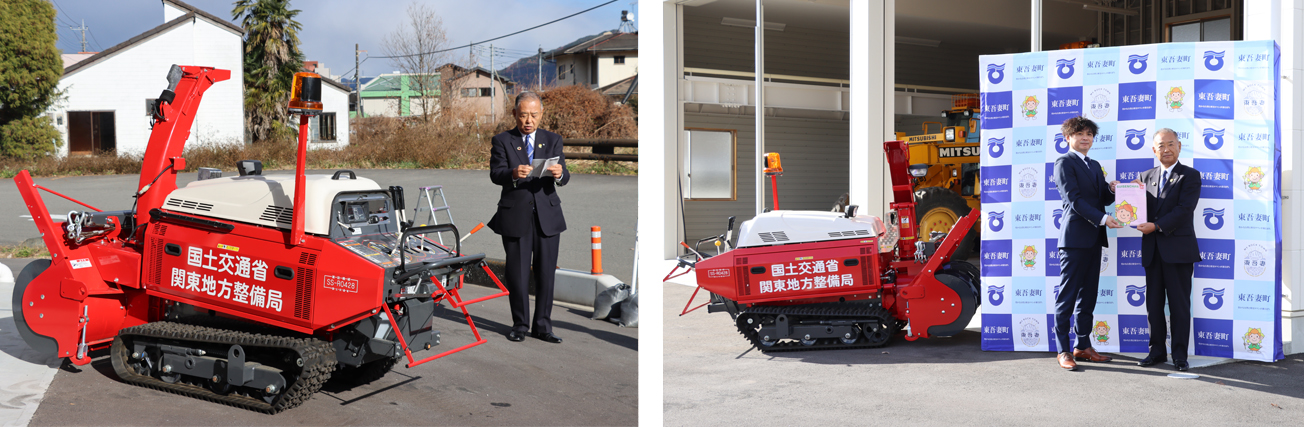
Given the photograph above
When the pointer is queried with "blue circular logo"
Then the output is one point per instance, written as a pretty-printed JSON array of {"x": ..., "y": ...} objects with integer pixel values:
[
  {"x": 995, "y": 295},
  {"x": 1137, "y": 63},
  {"x": 1058, "y": 215},
  {"x": 1065, "y": 68},
  {"x": 1213, "y": 61},
  {"x": 1135, "y": 139},
  {"x": 996, "y": 220},
  {"x": 995, "y": 73},
  {"x": 1061, "y": 145},
  {"x": 1213, "y": 298},
  {"x": 1136, "y": 295},
  {"x": 1213, "y": 138},
  {"x": 996, "y": 147},
  {"x": 1213, "y": 218}
]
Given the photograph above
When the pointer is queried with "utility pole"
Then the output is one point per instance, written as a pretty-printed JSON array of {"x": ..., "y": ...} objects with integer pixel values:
[
  {"x": 540, "y": 88},
  {"x": 83, "y": 31},
  {"x": 357, "y": 80},
  {"x": 493, "y": 90}
]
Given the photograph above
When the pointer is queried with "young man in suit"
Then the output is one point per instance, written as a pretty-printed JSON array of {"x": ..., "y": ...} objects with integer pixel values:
[
  {"x": 1085, "y": 194},
  {"x": 529, "y": 216},
  {"x": 1169, "y": 250}
]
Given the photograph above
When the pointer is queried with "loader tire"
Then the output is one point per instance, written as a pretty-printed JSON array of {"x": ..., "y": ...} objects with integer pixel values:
[{"x": 938, "y": 209}]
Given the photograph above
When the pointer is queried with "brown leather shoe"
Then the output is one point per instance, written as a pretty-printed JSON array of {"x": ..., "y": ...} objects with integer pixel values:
[
  {"x": 1089, "y": 354},
  {"x": 1067, "y": 362}
]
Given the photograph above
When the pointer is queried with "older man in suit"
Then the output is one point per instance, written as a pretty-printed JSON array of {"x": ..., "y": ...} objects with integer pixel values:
[
  {"x": 1085, "y": 194},
  {"x": 1169, "y": 249},
  {"x": 529, "y": 216}
]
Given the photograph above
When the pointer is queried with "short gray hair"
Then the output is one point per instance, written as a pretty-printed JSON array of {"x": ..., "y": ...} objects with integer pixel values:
[
  {"x": 1169, "y": 130},
  {"x": 527, "y": 96}
]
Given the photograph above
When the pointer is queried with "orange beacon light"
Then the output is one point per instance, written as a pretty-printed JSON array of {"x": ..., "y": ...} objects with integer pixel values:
[{"x": 305, "y": 95}]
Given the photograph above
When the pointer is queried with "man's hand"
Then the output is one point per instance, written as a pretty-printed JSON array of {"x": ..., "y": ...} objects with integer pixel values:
[
  {"x": 522, "y": 171},
  {"x": 1113, "y": 223},
  {"x": 1146, "y": 228},
  {"x": 555, "y": 170},
  {"x": 1112, "y": 184}
]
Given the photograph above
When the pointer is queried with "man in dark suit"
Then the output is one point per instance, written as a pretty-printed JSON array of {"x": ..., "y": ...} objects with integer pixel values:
[
  {"x": 529, "y": 215},
  {"x": 1085, "y": 194},
  {"x": 1169, "y": 250}
]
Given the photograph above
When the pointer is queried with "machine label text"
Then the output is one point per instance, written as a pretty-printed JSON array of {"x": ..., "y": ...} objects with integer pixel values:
[
  {"x": 948, "y": 152},
  {"x": 81, "y": 263},
  {"x": 240, "y": 266},
  {"x": 713, "y": 273},
  {"x": 244, "y": 293},
  {"x": 341, "y": 284},
  {"x": 805, "y": 275}
]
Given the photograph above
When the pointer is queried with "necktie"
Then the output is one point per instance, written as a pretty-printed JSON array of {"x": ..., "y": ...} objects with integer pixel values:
[
  {"x": 1163, "y": 181},
  {"x": 529, "y": 147},
  {"x": 1086, "y": 159}
]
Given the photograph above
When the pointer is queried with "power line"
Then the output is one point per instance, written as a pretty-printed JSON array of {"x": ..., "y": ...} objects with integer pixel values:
[
  {"x": 56, "y": 5},
  {"x": 499, "y": 37},
  {"x": 98, "y": 46}
]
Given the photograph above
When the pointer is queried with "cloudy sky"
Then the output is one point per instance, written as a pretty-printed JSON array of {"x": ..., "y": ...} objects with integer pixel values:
[{"x": 331, "y": 27}]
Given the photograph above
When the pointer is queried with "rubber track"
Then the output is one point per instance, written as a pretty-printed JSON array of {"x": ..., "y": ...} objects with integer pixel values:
[
  {"x": 824, "y": 311},
  {"x": 318, "y": 363}
]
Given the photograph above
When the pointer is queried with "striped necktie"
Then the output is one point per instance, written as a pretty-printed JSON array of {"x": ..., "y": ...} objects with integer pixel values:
[{"x": 529, "y": 147}]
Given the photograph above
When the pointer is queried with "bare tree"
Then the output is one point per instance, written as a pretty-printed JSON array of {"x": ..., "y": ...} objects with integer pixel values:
[{"x": 413, "y": 45}]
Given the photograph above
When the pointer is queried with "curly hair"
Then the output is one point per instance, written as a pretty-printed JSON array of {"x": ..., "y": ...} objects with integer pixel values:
[{"x": 1078, "y": 124}]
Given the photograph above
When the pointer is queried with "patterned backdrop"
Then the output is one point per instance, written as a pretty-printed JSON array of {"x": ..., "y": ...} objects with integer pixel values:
[{"x": 1221, "y": 98}]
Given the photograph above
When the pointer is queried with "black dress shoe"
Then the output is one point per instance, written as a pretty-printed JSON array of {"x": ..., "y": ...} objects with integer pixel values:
[
  {"x": 1151, "y": 361},
  {"x": 1181, "y": 365},
  {"x": 549, "y": 337},
  {"x": 516, "y": 336}
]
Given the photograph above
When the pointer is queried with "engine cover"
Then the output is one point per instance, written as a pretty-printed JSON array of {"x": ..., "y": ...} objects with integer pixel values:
[
  {"x": 784, "y": 227},
  {"x": 266, "y": 200}
]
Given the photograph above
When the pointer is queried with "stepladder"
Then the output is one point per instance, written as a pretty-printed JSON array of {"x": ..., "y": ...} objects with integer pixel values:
[{"x": 427, "y": 211}]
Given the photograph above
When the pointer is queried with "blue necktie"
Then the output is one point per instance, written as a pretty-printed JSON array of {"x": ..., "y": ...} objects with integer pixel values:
[
  {"x": 1163, "y": 182},
  {"x": 529, "y": 147}
]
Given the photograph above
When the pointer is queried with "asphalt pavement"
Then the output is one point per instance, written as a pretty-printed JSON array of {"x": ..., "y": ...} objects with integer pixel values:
[
  {"x": 589, "y": 379},
  {"x": 714, "y": 377},
  {"x": 610, "y": 202}
]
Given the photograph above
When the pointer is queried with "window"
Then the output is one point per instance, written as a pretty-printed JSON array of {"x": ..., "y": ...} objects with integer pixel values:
[
  {"x": 91, "y": 132},
  {"x": 709, "y": 168},
  {"x": 470, "y": 92},
  {"x": 619, "y": 59},
  {"x": 326, "y": 129},
  {"x": 485, "y": 91},
  {"x": 1212, "y": 30}
]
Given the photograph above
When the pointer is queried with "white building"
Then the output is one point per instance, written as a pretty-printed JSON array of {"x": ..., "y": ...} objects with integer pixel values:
[
  {"x": 598, "y": 60},
  {"x": 107, "y": 94},
  {"x": 841, "y": 76},
  {"x": 331, "y": 128}
]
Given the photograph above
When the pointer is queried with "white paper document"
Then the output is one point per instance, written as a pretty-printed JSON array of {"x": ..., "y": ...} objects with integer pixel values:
[{"x": 541, "y": 166}]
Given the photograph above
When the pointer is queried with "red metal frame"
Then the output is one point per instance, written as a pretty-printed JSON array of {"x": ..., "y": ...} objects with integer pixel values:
[{"x": 455, "y": 300}]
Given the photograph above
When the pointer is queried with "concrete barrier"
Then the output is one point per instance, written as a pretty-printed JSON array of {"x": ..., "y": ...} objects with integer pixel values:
[
  {"x": 572, "y": 286},
  {"x": 6, "y": 277}
]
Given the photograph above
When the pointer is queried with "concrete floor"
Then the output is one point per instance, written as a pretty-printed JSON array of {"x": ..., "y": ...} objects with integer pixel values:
[{"x": 714, "y": 377}]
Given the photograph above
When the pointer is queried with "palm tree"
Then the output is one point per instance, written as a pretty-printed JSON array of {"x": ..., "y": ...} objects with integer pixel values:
[{"x": 271, "y": 57}]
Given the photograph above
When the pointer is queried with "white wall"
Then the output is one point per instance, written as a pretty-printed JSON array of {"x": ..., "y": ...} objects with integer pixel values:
[
  {"x": 122, "y": 82},
  {"x": 610, "y": 72},
  {"x": 1283, "y": 21},
  {"x": 334, "y": 100}
]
